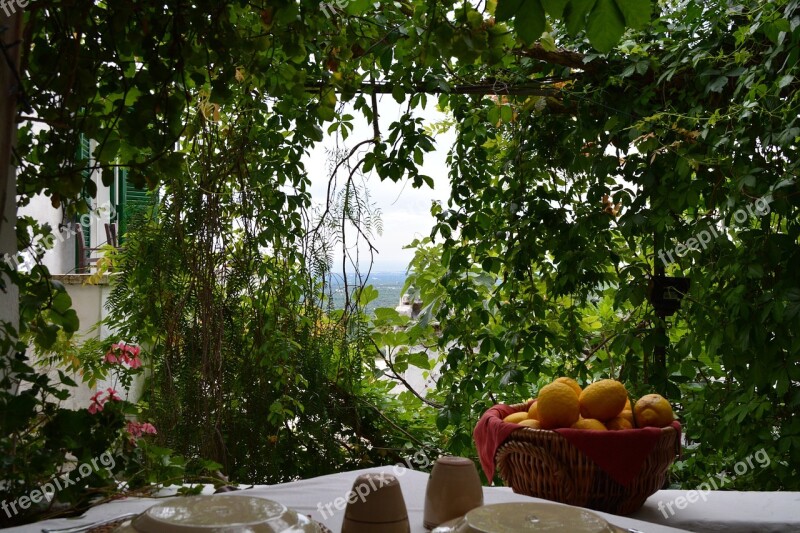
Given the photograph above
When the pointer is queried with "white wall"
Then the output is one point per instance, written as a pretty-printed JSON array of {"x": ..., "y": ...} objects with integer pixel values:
[
  {"x": 61, "y": 258},
  {"x": 89, "y": 302}
]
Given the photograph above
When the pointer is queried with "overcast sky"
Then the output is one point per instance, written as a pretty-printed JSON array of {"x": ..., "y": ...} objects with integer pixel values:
[{"x": 405, "y": 210}]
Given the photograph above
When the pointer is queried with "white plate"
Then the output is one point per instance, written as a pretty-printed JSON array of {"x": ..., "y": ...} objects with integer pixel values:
[
  {"x": 219, "y": 514},
  {"x": 527, "y": 517}
]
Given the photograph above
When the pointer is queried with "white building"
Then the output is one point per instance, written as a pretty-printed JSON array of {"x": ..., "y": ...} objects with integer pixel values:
[{"x": 76, "y": 246}]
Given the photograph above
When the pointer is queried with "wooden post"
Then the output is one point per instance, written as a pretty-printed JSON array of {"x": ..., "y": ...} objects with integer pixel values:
[{"x": 10, "y": 35}]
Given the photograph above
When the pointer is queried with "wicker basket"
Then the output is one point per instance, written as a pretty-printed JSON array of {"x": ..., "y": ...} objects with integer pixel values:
[{"x": 544, "y": 464}]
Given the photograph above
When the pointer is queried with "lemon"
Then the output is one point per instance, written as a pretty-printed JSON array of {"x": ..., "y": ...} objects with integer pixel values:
[
  {"x": 603, "y": 399},
  {"x": 533, "y": 412},
  {"x": 572, "y": 383},
  {"x": 653, "y": 410},
  {"x": 589, "y": 423},
  {"x": 619, "y": 423},
  {"x": 516, "y": 418},
  {"x": 530, "y": 423},
  {"x": 627, "y": 414},
  {"x": 558, "y": 406}
]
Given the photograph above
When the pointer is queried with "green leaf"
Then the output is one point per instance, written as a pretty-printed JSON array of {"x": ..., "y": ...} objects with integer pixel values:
[
  {"x": 493, "y": 115},
  {"x": 575, "y": 15},
  {"x": 555, "y": 8},
  {"x": 357, "y": 7},
  {"x": 785, "y": 80},
  {"x": 70, "y": 321},
  {"x": 62, "y": 302},
  {"x": 398, "y": 93},
  {"x": 717, "y": 85},
  {"x": 419, "y": 360},
  {"x": 325, "y": 113},
  {"x": 315, "y": 133},
  {"x": 606, "y": 25},
  {"x": 367, "y": 294},
  {"x": 506, "y": 9},
  {"x": 442, "y": 420},
  {"x": 530, "y": 21},
  {"x": 636, "y": 12},
  {"x": 548, "y": 42}
]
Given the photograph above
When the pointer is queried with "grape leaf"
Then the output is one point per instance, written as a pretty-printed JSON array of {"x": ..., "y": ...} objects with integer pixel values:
[
  {"x": 636, "y": 12},
  {"x": 506, "y": 9},
  {"x": 606, "y": 25},
  {"x": 555, "y": 8},
  {"x": 575, "y": 15},
  {"x": 530, "y": 21}
]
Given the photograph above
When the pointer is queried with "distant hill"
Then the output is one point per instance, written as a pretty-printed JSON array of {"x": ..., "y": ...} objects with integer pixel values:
[{"x": 388, "y": 284}]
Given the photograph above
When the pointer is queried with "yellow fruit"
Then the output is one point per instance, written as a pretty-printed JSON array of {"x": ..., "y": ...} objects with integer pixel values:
[
  {"x": 627, "y": 414},
  {"x": 572, "y": 383},
  {"x": 558, "y": 406},
  {"x": 603, "y": 399},
  {"x": 652, "y": 410},
  {"x": 627, "y": 405},
  {"x": 619, "y": 423},
  {"x": 533, "y": 412},
  {"x": 530, "y": 423},
  {"x": 516, "y": 418},
  {"x": 589, "y": 423}
]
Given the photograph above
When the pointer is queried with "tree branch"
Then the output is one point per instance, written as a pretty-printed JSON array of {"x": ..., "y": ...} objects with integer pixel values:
[
  {"x": 484, "y": 87},
  {"x": 563, "y": 57},
  {"x": 399, "y": 378}
]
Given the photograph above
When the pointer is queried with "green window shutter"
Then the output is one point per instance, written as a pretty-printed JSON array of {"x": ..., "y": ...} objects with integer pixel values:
[
  {"x": 84, "y": 154},
  {"x": 132, "y": 200}
]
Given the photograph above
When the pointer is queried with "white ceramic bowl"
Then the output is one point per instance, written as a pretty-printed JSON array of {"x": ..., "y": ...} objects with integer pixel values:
[
  {"x": 219, "y": 514},
  {"x": 527, "y": 517}
]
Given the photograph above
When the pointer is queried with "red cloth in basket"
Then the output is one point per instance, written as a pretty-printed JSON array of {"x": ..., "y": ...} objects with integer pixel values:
[{"x": 621, "y": 454}]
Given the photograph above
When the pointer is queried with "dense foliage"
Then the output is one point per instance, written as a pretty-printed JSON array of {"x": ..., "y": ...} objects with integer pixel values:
[
  {"x": 679, "y": 152},
  {"x": 585, "y": 155}
]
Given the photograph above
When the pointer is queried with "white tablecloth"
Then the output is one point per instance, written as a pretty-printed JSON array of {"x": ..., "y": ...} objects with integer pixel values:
[
  {"x": 722, "y": 510},
  {"x": 311, "y": 496}
]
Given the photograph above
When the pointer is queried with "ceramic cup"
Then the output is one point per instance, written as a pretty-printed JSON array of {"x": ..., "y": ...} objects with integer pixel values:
[
  {"x": 454, "y": 489},
  {"x": 376, "y": 504}
]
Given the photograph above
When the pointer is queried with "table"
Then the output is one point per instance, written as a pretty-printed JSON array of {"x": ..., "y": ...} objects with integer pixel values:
[
  {"x": 779, "y": 512},
  {"x": 724, "y": 511},
  {"x": 317, "y": 497}
]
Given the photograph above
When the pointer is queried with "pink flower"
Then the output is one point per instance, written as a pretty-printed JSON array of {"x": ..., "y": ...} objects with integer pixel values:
[
  {"x": 97, "y": 403},
  {"x": 113, "y": 395},
  {"x": 137, "y": 429},
  {"x": 124, "y": 353}
]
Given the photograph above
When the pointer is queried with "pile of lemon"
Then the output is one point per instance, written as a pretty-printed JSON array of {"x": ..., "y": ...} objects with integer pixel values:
[{"x": 602, "y": 405}]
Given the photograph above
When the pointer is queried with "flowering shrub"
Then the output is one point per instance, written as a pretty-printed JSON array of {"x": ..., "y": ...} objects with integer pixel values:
[
  {"x": 98, "y": 401},
  {"x": 124, "y": 360},
  {"x": 124, "y": 353},
  {"x": 40, "y": 439},
  {"x": 137, "y": 429}
]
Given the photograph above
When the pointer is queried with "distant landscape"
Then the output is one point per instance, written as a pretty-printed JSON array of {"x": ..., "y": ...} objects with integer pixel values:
[{"x": 388, "y": 284}]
